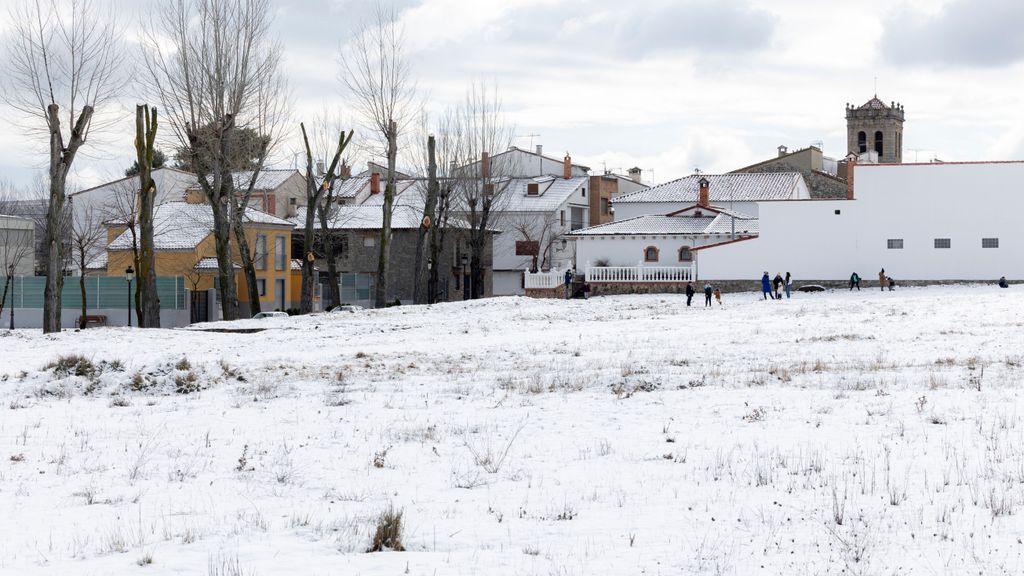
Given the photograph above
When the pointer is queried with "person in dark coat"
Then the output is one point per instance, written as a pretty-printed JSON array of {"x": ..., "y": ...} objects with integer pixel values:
[
  {"x": 766, "y": 287},
  {"x": 855, "y": 281},
  {"x": 689, "y": 293},
  {"x": 777, "y": 285},
  {"x": 1003, "y": 283},
  {"x": 707, "y": 295},
  {"x": 568, "y": 283},
  {"x": 788, "y": 284}
]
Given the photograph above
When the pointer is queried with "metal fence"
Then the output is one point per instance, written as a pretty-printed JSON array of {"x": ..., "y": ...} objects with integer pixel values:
[{"x": 101, "y": 292}]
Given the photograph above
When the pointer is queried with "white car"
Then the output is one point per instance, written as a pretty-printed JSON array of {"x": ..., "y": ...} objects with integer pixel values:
[
  {"x": 262, "y": 315},
  {"x": 346, "y": 308}
]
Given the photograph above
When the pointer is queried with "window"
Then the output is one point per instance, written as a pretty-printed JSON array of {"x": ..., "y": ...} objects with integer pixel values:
[
  {"x": 990, "y": 242},
  {"x": 261, "y": 286},
  {"x": 862, "y": 142},
  {"x": 532, "y": 189},
  {"x": 942, "y": 243},
  {"x": 894, "y": 243},
  {"x": 279, "y": 295},
  {"x": 280, "y": 253},
  {"x": 527, "y": 248},
  {"x": 561, "y": 217},
  {"x": 579, "y": 217},
  {"x": 355, "y": 287},
  {"x": 838, "y": 212},
  {"x": 369, "y": 241},
  {"x": 583, "y": 192},
  {"x": 342, "y": 247},
  {"x": 260, "y": 258},
  {"x": 651, "y": 254},
  {"x": 878, "y": 143},
  {"x": 604, "y": 205},
  {"x": 685, "y": 254}
]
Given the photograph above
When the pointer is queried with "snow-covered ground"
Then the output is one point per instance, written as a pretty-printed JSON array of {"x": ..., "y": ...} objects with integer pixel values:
[{"x": 836, "y": 433}]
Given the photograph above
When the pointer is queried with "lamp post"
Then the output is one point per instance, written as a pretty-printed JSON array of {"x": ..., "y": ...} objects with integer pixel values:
[
  {"x": 465, "y": 278},
  {"x": 129, "y": 275}
]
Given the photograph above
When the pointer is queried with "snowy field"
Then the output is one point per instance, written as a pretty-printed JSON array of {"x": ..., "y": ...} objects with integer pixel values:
[{"x": 837, "y": 433}]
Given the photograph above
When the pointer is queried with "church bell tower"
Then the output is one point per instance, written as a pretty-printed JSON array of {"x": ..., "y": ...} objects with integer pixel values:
[{"x": 876, "y": 129}]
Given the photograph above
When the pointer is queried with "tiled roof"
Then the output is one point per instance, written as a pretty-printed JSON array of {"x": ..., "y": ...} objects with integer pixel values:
[
  {"x": 741, "y": 187},
  {"x": 672, "y": 225},
  {"x": 182, "y": 226},
  {"x": 171, "y": 185},
  {"x": 553, "y": 192},
  {"x": 874, "y": 104}
]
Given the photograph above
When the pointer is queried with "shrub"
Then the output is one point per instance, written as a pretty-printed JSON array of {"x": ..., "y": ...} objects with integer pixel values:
[
  {"x": 388, "y": 535},
  {"x": 72, "y": 365}
]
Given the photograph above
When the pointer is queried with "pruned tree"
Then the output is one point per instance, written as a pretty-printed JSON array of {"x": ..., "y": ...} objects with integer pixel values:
[
  {"x": 378, "y": 76},
  {"x": 215, "y": 69},
  {"x": 145, "y": 142},
  {"x": 159, "y": 160},
  {"x": 63, "y": 64},
  {"x": 121, "y": 208},
  {"x": 16, "y": 247},
  {"x": 478, "y": 128},
  {"x": 318, "y": 184},
  {"x": 87, "y": 240},
  {"x": 539, "y": 235}
]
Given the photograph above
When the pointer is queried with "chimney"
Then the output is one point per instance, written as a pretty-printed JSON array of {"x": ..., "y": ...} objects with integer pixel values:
[
  {"x": 851, "y": 163},
  {"x": 567, "y": 167},
  {"x": 782, "y": 151},
  {"x": 704, "y": 199},
  {"x": 346, "y": 171},
  {"x": 485, "y": 165},
  {"x": 635, "y": 174},
  {"x": 540, "y": 149},
  {"x": 375, "y": 183}
]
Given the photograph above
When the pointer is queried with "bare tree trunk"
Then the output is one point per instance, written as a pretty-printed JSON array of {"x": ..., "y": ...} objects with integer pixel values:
[
  {"x": 437, "y": 234},
  {"x": 228, "y": 291},
  {"x": 61, "y": 157},
  {"x": 81, "y": 286},
  {"x": 145, "y": 139},
  {"x": 308, "y": 258},
  {"x": 248, "y": 263},
  {"x": 384, "y": 258},
  {"x": 425, "y": 223},
  {"x": 327, "y": 236}
]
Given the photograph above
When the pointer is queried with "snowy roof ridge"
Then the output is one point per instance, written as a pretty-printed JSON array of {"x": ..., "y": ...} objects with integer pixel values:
[{"x": 735, "y": 187}]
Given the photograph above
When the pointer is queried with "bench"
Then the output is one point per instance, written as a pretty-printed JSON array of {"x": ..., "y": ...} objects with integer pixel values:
[{"x": 93, "y": 320}]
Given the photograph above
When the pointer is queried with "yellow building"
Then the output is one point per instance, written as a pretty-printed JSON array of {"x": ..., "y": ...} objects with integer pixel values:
[{"x": 183, "y": 238}]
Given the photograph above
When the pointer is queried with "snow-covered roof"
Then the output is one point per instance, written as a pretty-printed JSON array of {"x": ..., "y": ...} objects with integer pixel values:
[
  {"x": 268, "y": 179},
  {"x": 712, "y": 224},
  {"x": 874, "y": 104},
  {"x": 171, "y": 185},
  {"x": 741, "y": 187},
  {"x": 209, "y": 264},
  {"x": 182, "y": 226},
  {"x": 552, "y": 193}
]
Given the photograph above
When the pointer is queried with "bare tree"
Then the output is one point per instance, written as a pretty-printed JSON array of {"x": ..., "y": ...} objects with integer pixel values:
[
  {"x": 318, "y": 184},
  {"x": 378, "y": 75},
  {"x": 477, "y": 130},
  {"x": 16, "y": 247},
  {"x": 121, "y": 208},
  {"x": 87, "y": 239},
  {"x": 63, "y": 62},
  {"x": 541, "y": 236},
  {"x": 213, "y": 65},
  {"x": 145, "y": 142}
]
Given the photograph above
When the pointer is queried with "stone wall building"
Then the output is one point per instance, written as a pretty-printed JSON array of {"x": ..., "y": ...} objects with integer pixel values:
[
  {"x": 819, "y": 171},
  {"x": 876, "y": 129}
]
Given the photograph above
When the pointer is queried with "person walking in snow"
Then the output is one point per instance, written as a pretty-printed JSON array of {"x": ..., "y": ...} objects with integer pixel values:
[
  {"x": 568, "y": 283},
  {"x": 689, "y": 293},
  {"x": 766, "y": 286},
  {"x": 777, "y": 285},
  {"x": 718, "y": 295},
  {"x": 855, "y": 281},
  {"x": 883, "y": 280},
  {"x": 788, "y": 285},
  {"x": 707, "y": 295}
]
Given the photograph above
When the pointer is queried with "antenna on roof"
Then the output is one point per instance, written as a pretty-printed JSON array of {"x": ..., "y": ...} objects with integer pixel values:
[
  {"x": 531, "y": 137},
  {"x": 876, "y": 86}
]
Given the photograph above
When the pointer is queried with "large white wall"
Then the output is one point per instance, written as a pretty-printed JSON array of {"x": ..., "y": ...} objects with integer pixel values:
[{"x": 917, "y": 203}]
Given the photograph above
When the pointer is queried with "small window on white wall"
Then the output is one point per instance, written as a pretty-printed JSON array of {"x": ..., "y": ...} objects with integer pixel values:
[
  {"x": 942, "y": 243},
  {"x": 990, "y": 242},
  {"x": 894, "y": 243}
]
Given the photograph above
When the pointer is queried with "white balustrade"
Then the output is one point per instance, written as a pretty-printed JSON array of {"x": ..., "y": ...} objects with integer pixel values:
[
  {"x": 540, "y": 280},
  {"x": 640, "y": 274}
]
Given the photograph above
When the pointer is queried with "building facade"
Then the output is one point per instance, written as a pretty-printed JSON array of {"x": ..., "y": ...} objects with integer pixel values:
[{"x": 876, "y": 129}]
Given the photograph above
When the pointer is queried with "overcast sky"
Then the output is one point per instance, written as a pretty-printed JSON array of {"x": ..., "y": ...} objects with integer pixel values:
[{"x": 674, "y": 85}]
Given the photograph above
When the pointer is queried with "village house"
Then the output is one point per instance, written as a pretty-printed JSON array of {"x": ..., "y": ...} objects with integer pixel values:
[{"x": 185, "y": 247}]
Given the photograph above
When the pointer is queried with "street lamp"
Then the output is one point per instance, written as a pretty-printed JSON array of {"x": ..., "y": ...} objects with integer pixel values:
[
  {"x": 129, "y": 275},
  {"x": 465, "y": 278}
]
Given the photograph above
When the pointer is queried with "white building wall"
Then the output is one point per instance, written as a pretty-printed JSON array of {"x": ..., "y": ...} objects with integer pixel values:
[
  {"x": 629, "y": 250},
  {"x": 916, "y": 203}
]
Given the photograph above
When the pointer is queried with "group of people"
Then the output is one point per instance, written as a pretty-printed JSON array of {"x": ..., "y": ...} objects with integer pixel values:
[
  {"x": 709, "y": 291},
  {"x": 884, "y": 281},
  {"x": 773, "y": 287}
]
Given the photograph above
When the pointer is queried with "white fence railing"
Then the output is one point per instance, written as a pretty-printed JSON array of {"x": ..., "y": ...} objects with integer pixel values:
[
  {"x": 640, "y": 274},
  {"x": 535, "y": 280}
]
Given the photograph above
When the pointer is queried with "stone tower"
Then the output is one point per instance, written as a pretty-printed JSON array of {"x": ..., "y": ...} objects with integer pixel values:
[{"x": 876, "y": 127}]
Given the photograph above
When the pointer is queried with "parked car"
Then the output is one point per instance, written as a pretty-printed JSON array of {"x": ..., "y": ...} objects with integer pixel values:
[
  {"x": 346, "y": 308},
  {"x": 263, "y": 315}
]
